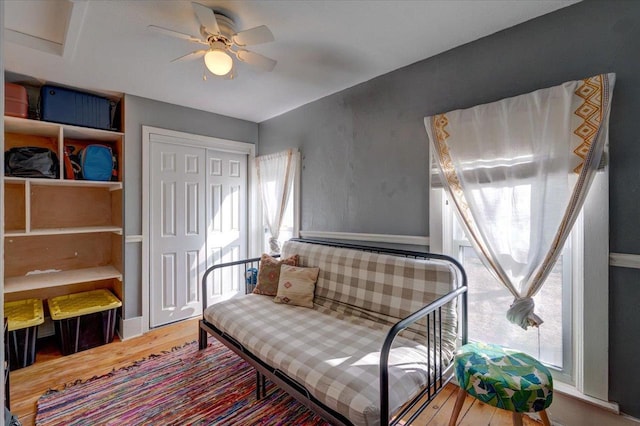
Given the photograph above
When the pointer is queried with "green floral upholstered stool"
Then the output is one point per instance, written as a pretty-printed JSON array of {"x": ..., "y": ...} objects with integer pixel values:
[{"x": 503, "y": 378}]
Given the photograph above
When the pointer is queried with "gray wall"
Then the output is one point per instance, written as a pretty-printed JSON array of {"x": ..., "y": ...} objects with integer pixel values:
[
  {"x": 139, "y": 112},
  {"x": 365, "y": 148}
]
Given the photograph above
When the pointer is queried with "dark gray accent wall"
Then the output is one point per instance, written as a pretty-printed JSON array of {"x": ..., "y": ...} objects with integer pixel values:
[
  {"x": 365, "y": 149},
  {"x": 142, "y": 111}
]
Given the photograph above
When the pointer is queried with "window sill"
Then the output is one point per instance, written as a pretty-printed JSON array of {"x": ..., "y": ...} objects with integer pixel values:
[{"x": 572, "y": 392}]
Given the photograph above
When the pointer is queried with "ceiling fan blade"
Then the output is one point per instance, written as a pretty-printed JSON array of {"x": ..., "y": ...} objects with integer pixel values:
[
  {"x": 256, "y": 35},
  {"x": 206, "y": 18},
  {"x": 192, "y": 55},
  {"x": 172, "y": 33},
  {"x": 256, "y": 59}
]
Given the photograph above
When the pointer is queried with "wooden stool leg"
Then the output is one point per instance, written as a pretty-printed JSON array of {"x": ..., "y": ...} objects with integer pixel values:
[
  {"x": 545, "y": 418},
  {"x": 462, "y": 394},
  {"x": 517, "y": 419}
]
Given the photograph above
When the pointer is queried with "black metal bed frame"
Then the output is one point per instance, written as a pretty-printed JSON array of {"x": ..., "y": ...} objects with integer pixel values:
[{"x": 431, "y": 312}]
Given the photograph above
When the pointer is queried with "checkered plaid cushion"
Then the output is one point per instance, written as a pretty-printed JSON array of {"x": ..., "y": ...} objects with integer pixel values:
[
  {"x": 379, "y": 287},
  {"x": 336, "y": 360}
]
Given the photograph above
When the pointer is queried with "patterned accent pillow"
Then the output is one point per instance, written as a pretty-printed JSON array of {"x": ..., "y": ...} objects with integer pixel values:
[
  {"x": 297, "y": 285},
  {"x": 269, "y": 274}
]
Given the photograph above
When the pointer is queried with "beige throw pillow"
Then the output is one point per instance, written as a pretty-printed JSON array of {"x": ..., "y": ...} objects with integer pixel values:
[
  {"x": 269, "y": 273},
  {"x": 296, "y": 285}
]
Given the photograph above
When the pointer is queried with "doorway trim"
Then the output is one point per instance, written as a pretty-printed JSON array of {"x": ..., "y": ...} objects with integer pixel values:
[{"x": 187, "y": 139}]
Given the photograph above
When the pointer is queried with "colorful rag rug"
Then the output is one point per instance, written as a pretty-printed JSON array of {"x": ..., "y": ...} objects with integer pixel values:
[{"x": 185, "y": 386}]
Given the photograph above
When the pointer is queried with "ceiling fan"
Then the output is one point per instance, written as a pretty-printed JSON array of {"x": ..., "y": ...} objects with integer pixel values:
[{"x": 223, "y": 43}]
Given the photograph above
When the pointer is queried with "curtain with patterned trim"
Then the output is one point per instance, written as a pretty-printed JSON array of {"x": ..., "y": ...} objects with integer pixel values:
[
  {"x": 517, "y": 172},
  {"x": 275, "y": 180}
]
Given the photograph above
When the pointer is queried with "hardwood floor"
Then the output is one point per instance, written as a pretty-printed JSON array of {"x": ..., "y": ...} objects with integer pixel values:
[{"x": 51, "y": 370}]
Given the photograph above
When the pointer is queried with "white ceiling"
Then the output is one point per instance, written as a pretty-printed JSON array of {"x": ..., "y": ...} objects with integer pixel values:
[{"x": 321, "y": 47}]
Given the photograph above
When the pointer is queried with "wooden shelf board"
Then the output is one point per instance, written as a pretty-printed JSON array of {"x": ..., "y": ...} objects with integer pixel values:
[
  {"x": 55, "y": 279},
  {"x": 45, "y": 128},
  {"x": 14, "y": 232},
  {"x": 65, "y": 182},
  {"x": 30, "y": 127},
  {"x": 63, "y": 231},
  {"x": 75, "y": 132}
]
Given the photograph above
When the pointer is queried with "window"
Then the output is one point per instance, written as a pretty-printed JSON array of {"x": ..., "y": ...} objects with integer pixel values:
[
  {"x": 573, "y": 340},
  {"x": 289, "y": 226},
  {"x": 290, "y": 222},
  {"x": 489, "y": 300}
]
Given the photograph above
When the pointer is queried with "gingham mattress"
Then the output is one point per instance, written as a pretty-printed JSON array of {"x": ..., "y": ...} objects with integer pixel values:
[
  {"x": 333, "y": 350},
  {"x": 336, "y": 360}
]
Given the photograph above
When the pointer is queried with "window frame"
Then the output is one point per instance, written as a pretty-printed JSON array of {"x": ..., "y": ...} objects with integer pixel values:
[{"x": 589, "y": 366}]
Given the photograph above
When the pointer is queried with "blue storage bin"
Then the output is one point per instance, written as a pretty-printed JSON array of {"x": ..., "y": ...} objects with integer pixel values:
[{"x": 61, "y": 105}]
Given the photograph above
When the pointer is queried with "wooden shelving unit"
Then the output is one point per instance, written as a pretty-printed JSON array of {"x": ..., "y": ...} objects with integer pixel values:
[{"x": 71, "y": 229}]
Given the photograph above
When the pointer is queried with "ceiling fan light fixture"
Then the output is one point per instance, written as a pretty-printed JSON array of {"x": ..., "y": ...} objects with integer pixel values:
[
  {"x": 224, "y": 44},
  {"x": 218, "y": 62}
]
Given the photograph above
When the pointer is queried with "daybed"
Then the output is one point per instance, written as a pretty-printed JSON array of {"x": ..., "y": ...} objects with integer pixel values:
[{"x": 380, "y": 337}]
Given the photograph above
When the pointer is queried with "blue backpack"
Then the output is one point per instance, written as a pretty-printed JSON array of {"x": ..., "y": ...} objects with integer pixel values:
[{"x": 97, "y": 163}]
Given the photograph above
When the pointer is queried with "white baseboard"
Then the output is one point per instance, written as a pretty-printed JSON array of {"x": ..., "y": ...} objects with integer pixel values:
[
  {"x": 569, "y": 411},
  {"x": 130, "y": 327},
  {"x": 126, "y": 329},
  {"x": 570, "y": 391}
]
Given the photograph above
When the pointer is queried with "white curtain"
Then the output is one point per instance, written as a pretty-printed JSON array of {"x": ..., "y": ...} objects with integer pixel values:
[
  {"x": 275, "y": 179},
  {"x": 517, "y": 172}
]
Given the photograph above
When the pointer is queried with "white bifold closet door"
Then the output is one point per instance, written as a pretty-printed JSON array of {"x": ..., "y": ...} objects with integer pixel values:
[{"x": 198, "y": 217}]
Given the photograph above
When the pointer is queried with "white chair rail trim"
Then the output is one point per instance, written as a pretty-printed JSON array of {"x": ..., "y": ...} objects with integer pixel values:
[
  {"x": 624, "y": 260},
  {"x": 376, "y": 238},
  {"x": 621, "y": 260}
]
